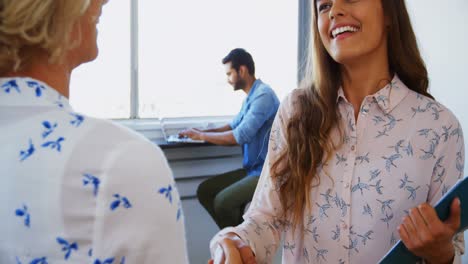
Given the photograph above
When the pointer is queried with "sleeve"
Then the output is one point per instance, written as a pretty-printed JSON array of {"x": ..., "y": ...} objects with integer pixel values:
[
  {"x": 262, "y": 227},
  {"x": 236, "y": 120},
  {"x": 138, "y": 212},
  {"x": 258, "y": 113},
  {"x": 448, "y": 169}
]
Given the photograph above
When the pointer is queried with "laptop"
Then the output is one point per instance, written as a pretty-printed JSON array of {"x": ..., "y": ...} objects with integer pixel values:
[{"x": 174, "y": 138}]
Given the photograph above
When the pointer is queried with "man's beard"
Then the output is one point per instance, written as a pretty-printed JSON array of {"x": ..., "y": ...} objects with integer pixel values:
[{"x": 239, "y": 85}]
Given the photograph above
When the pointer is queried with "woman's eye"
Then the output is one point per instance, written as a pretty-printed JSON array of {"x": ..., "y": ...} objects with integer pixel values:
[{"x": 324, "y": 7}]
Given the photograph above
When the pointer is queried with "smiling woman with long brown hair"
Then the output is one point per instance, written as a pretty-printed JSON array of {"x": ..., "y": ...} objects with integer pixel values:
[{"x": 359, "y": 154}]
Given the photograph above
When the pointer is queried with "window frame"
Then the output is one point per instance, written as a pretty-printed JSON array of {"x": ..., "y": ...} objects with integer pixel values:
[{"x": 150, "y": 127}]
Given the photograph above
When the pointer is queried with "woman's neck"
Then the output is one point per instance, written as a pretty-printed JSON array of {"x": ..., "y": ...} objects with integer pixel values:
[
  {"x": 54, "y": 75},
  {"x": 364, "y": 78}
]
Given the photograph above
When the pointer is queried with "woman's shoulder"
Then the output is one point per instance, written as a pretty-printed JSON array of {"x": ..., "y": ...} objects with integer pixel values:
[
  {"x": 115, "y": 135},
  {"x": 291, "y": 103},
  {"x": 292, "y": 98},
  {"x": 295, "y": 93},
  {"x": 124, "y": 152},
  {"x": 431, "y": 111}
]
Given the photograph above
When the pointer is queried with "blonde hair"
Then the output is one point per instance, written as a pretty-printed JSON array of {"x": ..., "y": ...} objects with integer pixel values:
[{"x": 30, "y": 25}]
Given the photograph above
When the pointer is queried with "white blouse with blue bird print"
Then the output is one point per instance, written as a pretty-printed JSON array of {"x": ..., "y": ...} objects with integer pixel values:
[
  {"x": 405, "y": 149},
  {"x": 80, "y": 190}
]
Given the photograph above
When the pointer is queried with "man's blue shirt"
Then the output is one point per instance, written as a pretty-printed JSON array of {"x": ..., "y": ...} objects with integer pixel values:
[{"x": 251, "y": 127}]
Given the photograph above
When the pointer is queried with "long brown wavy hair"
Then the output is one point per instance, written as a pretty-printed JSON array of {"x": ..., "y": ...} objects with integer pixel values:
[{"x": 315, "y": 115}]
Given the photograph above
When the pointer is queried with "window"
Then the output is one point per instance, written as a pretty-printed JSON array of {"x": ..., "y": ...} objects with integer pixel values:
[
  {"x": 180, "y": 47},
  {"x": 102, "y": 88}
]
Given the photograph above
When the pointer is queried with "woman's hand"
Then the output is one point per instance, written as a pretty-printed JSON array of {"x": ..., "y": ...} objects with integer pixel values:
[
  {"x": 232, "y": 250},
  {"x": 424, "y": 234}
]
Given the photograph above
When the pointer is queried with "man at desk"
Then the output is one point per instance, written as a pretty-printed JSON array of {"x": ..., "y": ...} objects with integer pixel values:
[{"x": 225, "y": 196}]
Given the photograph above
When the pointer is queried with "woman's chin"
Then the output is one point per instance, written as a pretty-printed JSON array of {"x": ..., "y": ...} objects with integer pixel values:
[
  {"x": 345, "y": 58},
  {"x": 92, "y": 55}
]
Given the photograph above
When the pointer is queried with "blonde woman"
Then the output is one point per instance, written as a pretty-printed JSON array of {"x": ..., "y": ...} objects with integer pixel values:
[
  {"x": 74, "y": 189},
  {"x": 358, "y": 156}
]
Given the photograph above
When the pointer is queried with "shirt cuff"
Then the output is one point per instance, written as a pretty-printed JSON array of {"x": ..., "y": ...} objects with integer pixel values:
[
  {"x": 217, "y": 238},
  {"x": 457, "y": 259},
  {"x": 237, "y": 135}
]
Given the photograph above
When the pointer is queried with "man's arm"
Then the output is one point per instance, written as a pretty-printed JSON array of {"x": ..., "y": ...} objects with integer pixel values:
[
  {"x": 224, "y": 128},
  {"x": 219, "y": 138},
  {"x": 262, "y": 108}
]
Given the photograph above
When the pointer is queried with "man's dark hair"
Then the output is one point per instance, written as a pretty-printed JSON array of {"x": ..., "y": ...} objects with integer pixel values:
[{"x": 239, "y": 57}]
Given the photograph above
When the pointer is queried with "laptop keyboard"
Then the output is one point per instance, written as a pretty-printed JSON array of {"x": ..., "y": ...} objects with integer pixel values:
[{"x": 176, "y": 139}]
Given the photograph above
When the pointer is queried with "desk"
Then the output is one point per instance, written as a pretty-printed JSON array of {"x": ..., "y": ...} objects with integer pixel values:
[
  {"x": 192, "y": 163},
  {"x": 163, "y": 144}
]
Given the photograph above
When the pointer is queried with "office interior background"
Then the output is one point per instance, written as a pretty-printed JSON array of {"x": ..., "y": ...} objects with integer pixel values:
[{"x": 160, "y": 61}]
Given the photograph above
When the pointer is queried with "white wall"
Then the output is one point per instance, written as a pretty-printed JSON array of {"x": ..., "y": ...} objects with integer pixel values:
[{"x": 441, "y": 27}]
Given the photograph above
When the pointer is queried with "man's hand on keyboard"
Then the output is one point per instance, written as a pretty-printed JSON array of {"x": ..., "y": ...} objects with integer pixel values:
[{"x": 192, "y": 133}]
